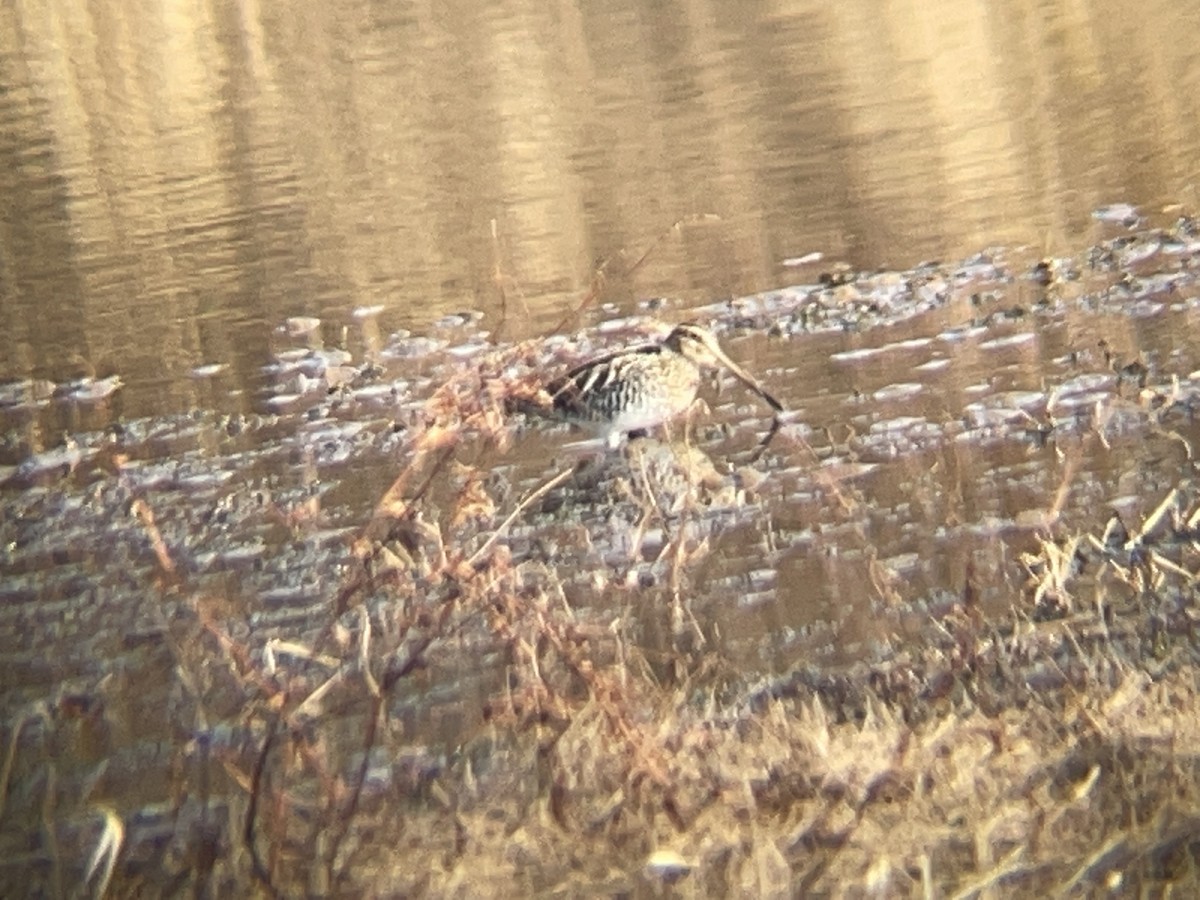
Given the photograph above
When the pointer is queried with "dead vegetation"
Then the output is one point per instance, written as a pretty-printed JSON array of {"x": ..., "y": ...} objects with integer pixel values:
[{"x": 1048, "y": 752}]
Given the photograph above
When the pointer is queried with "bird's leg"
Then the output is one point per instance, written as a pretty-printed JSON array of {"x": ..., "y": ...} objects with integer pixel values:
[{"x": 698, "y": 406}]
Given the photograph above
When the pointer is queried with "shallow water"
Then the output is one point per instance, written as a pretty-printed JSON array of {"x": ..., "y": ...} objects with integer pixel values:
[{"x": 938, "y": 422}]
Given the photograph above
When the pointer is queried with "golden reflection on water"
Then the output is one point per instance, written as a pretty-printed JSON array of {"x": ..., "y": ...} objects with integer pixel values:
[{"x": 197, "y": 173}]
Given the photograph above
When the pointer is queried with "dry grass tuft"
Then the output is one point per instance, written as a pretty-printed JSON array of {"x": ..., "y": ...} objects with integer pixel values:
[{"x": 1046, "y": 754}]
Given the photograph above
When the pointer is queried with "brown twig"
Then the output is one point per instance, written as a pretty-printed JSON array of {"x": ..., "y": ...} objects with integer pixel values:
[
  {"x": 256, "y": 864},
  {"x": 162, "y": 554},
  {"x": 599, "y": 272},
  {"x": 529, "y": 498}
]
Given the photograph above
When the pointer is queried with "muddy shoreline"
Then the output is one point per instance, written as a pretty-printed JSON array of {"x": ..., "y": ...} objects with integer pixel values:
[{"x": 380, "y": 637}]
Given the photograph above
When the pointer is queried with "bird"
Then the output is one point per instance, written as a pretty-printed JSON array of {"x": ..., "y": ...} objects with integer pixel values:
[{"x": 644, "y": 386}]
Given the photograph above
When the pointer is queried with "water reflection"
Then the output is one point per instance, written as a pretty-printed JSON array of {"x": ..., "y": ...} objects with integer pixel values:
[{"x": 197, "y": 174}]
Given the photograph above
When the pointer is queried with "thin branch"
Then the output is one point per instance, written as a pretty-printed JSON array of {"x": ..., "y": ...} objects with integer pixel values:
[
  {"x": 540, "y": 491},
  {"x": 256, "y": 864}
]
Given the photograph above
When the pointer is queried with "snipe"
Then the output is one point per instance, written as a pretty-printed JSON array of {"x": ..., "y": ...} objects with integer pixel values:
[{"x": 646, "y": 385}]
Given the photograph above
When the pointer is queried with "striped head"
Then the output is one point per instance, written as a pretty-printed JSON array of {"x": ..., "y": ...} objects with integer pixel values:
[{"x": 698, "y": 344}]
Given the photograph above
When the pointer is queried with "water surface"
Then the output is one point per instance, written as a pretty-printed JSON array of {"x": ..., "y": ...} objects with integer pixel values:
[{"x": 179, "y": 180}]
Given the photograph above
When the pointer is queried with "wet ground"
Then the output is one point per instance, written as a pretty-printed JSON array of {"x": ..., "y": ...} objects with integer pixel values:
[{"x": 170, "y": 580}]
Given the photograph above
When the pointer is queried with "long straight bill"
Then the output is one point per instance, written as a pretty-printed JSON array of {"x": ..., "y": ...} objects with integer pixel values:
[{"x": 751, "y": 382}]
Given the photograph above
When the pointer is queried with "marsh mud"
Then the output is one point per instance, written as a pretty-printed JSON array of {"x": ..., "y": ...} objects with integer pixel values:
[{"x": 382, "y": 546}]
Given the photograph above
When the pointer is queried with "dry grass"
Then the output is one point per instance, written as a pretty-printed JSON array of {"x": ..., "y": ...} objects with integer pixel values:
[{"x": 1047, "y": 754}]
